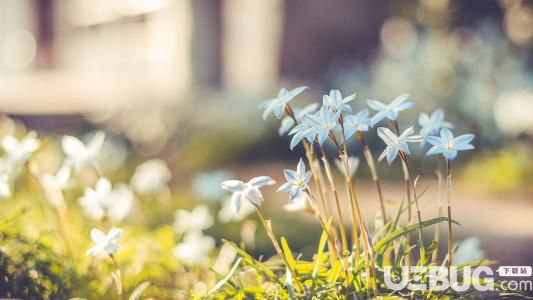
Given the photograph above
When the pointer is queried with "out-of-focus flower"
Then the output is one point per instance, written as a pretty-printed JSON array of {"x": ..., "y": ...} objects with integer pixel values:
[
  {"x": 301, "y": 131},
  {"x": 336, "y": 103},
  {"x": 103, "y": 201},
  {"x": 120, "y": 202},
  {"x": 395, "y": 143},
  {"x": 355, "y": 123},
  {"x": 194, "y": 249},
  {"x": 5, "y": 190},
  {"x": 323, "y": 122},
  {"x": 430, "y": 125},
  {"x": 299, "y": 203},
  {"x": 206, "y": 184},
  {"x": 278, "y": 104},
  {"x": 196, "y": 220},
  {"x": 227, "y": 212},
  {"x": 448, "y": 145},
  {"x": 389, "y": 111},
  {"x": 104, "y": 243},
  {"x": 150, "y": 177},
  {"x": 248, "y": 191},
  {"x": 79, "y": 154},
  {"x": 353, "y": 164},
  {"x": 288, "y": 122},
  {"x": 53, "y": 185},
  {"x": 469, "y": 251},
  {"x": 20, "y": 151},
  {"x": 297, "y": 180}
]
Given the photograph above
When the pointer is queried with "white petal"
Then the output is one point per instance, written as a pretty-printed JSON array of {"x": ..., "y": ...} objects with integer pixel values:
[
  {"x": 261, "y": 181},
  {"x": 232, "y": 185}
]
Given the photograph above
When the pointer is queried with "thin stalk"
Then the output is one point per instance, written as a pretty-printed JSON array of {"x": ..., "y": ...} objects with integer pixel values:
[
  {"x": 317, "y": 178},
  {"x": 333, "y": 189},
  {"x": 320, "y": 218},
  {"x": 435, "y": 256},
  {"x": 118, "y": 277},
  {"x": 277, "y": 247},
  {"x": 355, "y": 220},
  {"x": 373, "y": 171},
  {"x": 449, "y": 192},
  {"x": 348, "y": 181},
  {"x": 367, "y": 247}
]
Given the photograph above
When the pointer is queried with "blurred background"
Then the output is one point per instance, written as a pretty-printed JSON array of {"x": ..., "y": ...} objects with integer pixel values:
[{"x": 181, "y": 80}]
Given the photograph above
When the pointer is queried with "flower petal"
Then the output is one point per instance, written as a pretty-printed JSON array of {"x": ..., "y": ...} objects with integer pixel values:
[{"x": 261, "y": 181}]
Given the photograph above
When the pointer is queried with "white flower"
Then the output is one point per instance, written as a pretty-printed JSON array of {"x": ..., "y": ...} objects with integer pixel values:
[
  {"x": 104, "y": 243},
  {"x": 299, "y": 203},
  {"x": 469, "y": 250},
  {"x": 53, "y": 185},
  {"x": 395, "y": 143},
  {"x": 297, "y": 181},
  {"x": 227, "y": 212},
  {"x": 5, "y": 190},
  {"x": 103, "y": 201},
  {"x": 151, "y": 176},
  {"x": 20, "y": 151},
  {"x": 120, "y": 202},
  {"x": 194, "y": 249},
  {"x": 80, "y": 154},
  {"x": 196, "y": 220},
  {"x": 353, "y": 164},
  {"x": 248, "y": 191}
]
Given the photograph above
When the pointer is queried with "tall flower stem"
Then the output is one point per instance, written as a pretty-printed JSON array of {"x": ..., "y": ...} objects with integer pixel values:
[
  {"x": 367, "y": 244},
  {"x": 322, "y": 221},
  {"x": 435, "y": 255},
  {"x": 373, "y": 171},
  {"x": 448, "y": 194},
  {"x": 277, "y": 247},
  {"x": 348, "y": 181},
  {"x": 340, "y": 217},
  {"x": 318, "y": 178},
  {"x": 117, "y": 276}
]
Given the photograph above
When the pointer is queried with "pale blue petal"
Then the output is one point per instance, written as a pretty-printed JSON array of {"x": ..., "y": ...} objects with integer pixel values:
[
  {"x": 464, "y": 139},
  {"x": 286, "y": 187},
  {"x": 450, "y": 155},
  {"x": 404, "y": 106},
  {"x": 391, "y": 155},
  {"x": 300, "y": 168},
  {"x": 290, "y": 174},
  {"x": 376, "y": 105},
  {"x": 446, "y": 136},
  {"x": 377, "y": 118},
  {"x": 433, "y": 140},
  {"x": 261, "y": 181},
  {"x": 279, "y": 110},
  {"x": 398, "y": 100},
  {"x": 435, "y": 150}
]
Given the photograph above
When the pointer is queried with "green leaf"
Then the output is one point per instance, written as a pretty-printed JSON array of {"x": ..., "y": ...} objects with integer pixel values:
[
  {"x": 225, "y": 279},
  {"x": 288, "y": 253}
]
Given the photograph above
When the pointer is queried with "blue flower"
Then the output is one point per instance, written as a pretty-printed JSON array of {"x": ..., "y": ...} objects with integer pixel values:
[
  {"x": 277, "y": 105},
  {"x": 389, "y": 111},
  {"x": 323, "y": 122},
  {"x": 448, "y": 145},
  {"x": 301, "y": 131},
  {"x": 297, "y": 181},
  {"x": 246, "y": 191},
  {"x": 288, "y": 122},
  {"x": 335, "y": 102},
  {"x": 395, "y": 143},
  {"x": 354, "y": 123},
  {"x": 430, "y": 125}
]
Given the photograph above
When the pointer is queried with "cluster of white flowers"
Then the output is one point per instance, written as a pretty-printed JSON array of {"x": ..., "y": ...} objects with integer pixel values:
[{"x": 195, "y": 246}]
